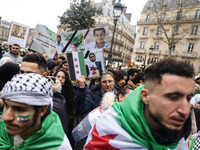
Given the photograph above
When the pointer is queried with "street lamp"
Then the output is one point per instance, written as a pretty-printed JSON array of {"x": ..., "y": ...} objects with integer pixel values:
[
  {"x": 151, "y": 48},
  {"x": 117, "y": 11}
]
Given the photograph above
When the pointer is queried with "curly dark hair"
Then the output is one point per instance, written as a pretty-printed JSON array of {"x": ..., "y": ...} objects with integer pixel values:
[
  {"x": 68, "y": 92},
  {"x": 155, "y": 72},
  {"x": 120, "y": 75}
]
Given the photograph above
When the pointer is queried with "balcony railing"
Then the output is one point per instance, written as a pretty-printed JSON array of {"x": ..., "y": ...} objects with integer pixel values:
[
  {"x": 140, "y": 51},
  {"x": 173, "y": 53},
  {"x": 189, "y": 54},
  {"x": 155, "y": 52},
  {"x": 172, "y": 19},
  {"x": 116, "y": 52}
]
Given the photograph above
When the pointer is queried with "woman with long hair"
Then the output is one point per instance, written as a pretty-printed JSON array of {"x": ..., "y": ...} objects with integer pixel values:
[{"x": 68, "y": 92}]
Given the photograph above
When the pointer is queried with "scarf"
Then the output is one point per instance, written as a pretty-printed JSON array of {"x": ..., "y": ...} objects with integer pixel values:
[{"x": 50, "y": 136}]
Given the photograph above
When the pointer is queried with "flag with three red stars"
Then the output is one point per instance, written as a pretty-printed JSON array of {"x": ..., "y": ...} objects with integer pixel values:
[{"x": 76, "y": 65}]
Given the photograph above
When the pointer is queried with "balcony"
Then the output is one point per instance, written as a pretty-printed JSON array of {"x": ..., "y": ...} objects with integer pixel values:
[
  {"x": 140, "y": 51},
  {"x": 118, "y": 41},
  {"x": 155, "y": 52},
  {"x": 173, "y": 53},
  {"x": 116, "y": 52},
  {"x": 189, "y": 55},
  {"x": 106, "y": 49}
]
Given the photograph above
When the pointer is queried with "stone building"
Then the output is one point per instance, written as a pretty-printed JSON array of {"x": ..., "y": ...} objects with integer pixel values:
[
  {"x": 168, "y": 30},
  {"x": 4, "y": 30},
  {"x": 124, "y": 35}
]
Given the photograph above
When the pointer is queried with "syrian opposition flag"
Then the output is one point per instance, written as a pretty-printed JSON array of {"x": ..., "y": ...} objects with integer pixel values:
[
  {"x": 76, "y": 65},
  {"x": 123, "y": 127},
  {"x": 83, "y": 128},
  {"x": 107, "y": 134}
]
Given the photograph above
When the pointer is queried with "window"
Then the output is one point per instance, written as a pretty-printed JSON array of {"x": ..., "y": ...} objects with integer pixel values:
[
  {"x": 108, "y": 21},
  {"x": 156, "y": 45},
  {"x": 197, "y": 16},
  {"x": 173, "y": 47},
  {"x": 194, "y": 30},
  {"x": 148, "y": 18},
  {"x": 179, "y": 15},
  {"x": 109, "y": 12},
  {"x": 142, "y": 44},
  {"x": 159, "y": 31},
  {"x": 162, "y": 17},
  {"x": 175, "y": 30},
  {"x": 139, "y": 58},
  {"x": 145, "y": 31},
  {"x": 190, "y": 47},
  {"x": 118, "y": 48},
  {"x": 99, "y": 20}
]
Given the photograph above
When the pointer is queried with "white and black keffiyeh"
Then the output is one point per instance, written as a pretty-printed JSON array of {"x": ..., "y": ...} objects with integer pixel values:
[
  {"x": 30, "y": 89},
  {"x": 196, "y": 145}
]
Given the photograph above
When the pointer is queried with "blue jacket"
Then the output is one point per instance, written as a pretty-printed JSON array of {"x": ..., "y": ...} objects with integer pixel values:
[{"x": 87, "y": 99}]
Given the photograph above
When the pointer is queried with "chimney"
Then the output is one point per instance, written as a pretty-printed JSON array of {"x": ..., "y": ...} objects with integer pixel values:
[
  {"x": 124, "y": 10},
  {"x": 128, "y": 15}
]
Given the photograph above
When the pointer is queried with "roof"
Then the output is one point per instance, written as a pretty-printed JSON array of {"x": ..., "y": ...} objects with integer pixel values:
[{"x": 169, "y": 4}]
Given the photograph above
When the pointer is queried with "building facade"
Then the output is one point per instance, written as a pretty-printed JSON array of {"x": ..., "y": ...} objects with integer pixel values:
[
  {"x": 124, "y": 35},
  {"x": 168, "y": 32},
  {"x": 4, "y": 30}
]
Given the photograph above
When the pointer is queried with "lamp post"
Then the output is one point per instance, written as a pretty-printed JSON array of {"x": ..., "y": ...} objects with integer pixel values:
[
  {"x": 117, "y": 11},
  {"x": 151, "y": 48}
]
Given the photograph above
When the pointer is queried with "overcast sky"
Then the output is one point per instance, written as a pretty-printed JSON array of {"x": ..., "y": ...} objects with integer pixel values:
[{"x": 46, "y": 12}]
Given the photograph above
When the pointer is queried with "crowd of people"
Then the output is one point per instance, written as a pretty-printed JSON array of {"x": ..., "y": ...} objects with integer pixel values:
[{"x": 42, "y": 108}]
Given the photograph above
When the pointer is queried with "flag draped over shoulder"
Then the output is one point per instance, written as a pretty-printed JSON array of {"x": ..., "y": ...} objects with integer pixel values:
[
  {"x": 130, "y": 115},
  {"x": 123, "y": 126},
  {"x": 76, "y": 65},
  {"x": 50, "y": 136}
]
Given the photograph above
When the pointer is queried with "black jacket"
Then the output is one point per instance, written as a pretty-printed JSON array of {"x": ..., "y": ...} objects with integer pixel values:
[{"x": 60, "y": 107}]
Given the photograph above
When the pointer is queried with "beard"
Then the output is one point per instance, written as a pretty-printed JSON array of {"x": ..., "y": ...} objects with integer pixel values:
[{"x": 167, "y": 136}]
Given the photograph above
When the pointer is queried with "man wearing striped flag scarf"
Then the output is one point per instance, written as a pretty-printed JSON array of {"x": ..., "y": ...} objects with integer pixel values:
[{"x": 155, "y": 116}]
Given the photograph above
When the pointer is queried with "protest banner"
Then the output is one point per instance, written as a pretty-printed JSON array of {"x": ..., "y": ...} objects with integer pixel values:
[
  {"x": 96, "y": 40},
  {"x": 74, "y": 50},
  {"x": 44, "y": 41},
  {"x": 82, "y": 46},
  {"x": 18, "y": 34}
]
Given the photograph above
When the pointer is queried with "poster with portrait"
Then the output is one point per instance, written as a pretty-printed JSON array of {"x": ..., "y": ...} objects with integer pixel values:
[
  {"x": 96, "y": 40},
  {"x": 85, "y": 46},
  {"x": 68, "y": 42},
  {"x": 18, "y": 34},
  {"x": 44, "y": 41}
]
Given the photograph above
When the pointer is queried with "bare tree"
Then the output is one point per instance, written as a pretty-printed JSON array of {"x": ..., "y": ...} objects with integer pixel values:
[{"x": 171, "y": 16}]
